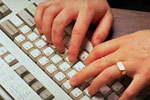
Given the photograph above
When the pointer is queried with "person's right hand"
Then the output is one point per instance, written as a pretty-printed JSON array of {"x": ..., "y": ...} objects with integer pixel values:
[{"x": 52, "y": 16}]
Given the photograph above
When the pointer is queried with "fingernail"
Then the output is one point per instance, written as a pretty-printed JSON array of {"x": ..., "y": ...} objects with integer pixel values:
[
  {"x": 97, "y": 41},
  {"x": 89, "y": 91},
  {"x": 72, "y": 59},
  {"x": 74, "y": 80}
]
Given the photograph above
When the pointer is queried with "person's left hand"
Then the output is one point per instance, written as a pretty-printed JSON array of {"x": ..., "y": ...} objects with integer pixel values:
[{"x": 133, "y": 50}]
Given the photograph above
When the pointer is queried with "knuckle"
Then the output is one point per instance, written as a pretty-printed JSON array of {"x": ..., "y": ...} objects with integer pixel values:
[
  {"x": 89, "y": 6},
  {"x": 50, "y": 9}
]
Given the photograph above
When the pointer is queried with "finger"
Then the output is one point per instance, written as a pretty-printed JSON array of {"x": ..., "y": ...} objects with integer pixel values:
[
  {"x": 39, "y": 14},
  {"x": 59, "y": 24},
  {"x": 102, "y": 50},
  {"x": 81, "y": 26},
  {"x": 103, "y": 28},
  {"x": 105, "y": 77},
  {"x": 49, "y": 14},
  {"x": 134, "y": 88},
  {"x": 94, "y": 68}
]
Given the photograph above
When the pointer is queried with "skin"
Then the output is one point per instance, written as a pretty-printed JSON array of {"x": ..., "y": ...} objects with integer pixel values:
[
  {"x": 52, "y": 16},
  {"x": 133, "y": 50}
]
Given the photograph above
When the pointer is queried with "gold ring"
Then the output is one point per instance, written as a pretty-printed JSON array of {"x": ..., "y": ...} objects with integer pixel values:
[{"x": 121, "y": 68}]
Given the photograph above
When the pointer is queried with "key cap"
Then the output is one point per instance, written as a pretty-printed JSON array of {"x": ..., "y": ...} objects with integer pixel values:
[
  {"x": 79, "y": 66},
  {"x": 9, "y": 29},
  {"x": 46, "y": 95},
  {"x": 64, "y": 67},
  {"x": 27, "y": 18},
  {"x": 37, "y": 87},
  {"x": 85, "y": 98},
  {"x": 48, "y": 52},
  {"x": 76, "y": 94},
  {"x": 60, "y": 78},
  {"x": 10, "y": 59},
  {"x": 56, "y": 59},
  {"x": 4, "y": 10},
  {"x": 40, "y": 44},
  {"x": 51, "y": 70},
  {"x": 87, "y": 93},
  {"x": 26, "y": 46},
  {"x": 98, "y": 96},
  {"x": 113, "y": 96},
  {"x": 3, "y": 51},
  {"x": 19, "y": 39},
  {"x": 88, "y": 46},
  {"x": 16, "y": 21},
  {"x": 29, "y": 79},
  {"x": 63, "y": 55},
  {"x": 21, "y": 71},
  {"x": 117, "y": 87},
  {"x": 43, "y": 61},
  {"x": 71, "y": 73},
  {"x": 43, "y": 37},
  {"x": 32, "y": 36},
  {"x": 36, "y": 31},
  {"x": 105, "y": 91},
  {"x": 83, "y": 86},
  {"x": 83, "y": 55},
  {"x": 34, "y": 54},
  {"x": 25, "y": 30},
  {"x": 67, "y": 87},
  {"x": 70, "y": 63},
  {"x": 31, "y": 9}
]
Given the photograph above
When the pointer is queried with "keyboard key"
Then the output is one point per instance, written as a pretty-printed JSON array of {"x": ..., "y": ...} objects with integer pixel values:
[
  {"x": 79, "y": 66},
  {"x": 43, "y": 61},
  {"x": 37, "y": 87},
  {"x": 64, "y": 67},
  {"x": 83, "y": 55},
  {"x": 34, "y": 54},
  {"x": 67, "y": 87},
  {"x": 63, "y": 55},
  {"x": 10, "y": 59},
  {"x": 32, "y": 36},
  {"x": 76, "y": 94},
  {"x": 4, "y": 10},
  {"x": 48, "y": 52},
  {"x": 19, "y": 39},
  {"x": 43, "y": 37},
  {"x": 51, "y": 70},
  {"x": 29, "y": 79},
  {"x": 105, "y": 91},
  {"x": 31, "y": 9},
  {"x": 85, "y": 98},
  {"x": 21, "y": 71},
  {"x": 117, "y": 87},
  {"x": 26, "y": 46},
  {"x": 46, "y": 95},
  {"x": 60, "y": 78},
  {"x": 98, "y": 96},
  {"x": 16, "y": 21},
  {"x": 40, "y": 44},
  {"x": 70, "y": 63},
  {"x": 25, "y": 30},
  {"x": 71, "y": 73},
  {"x": 88, "y": 46},
  {"x": 56, "y": 59},
  {"x": 27, "y": 18},
  {"x": 87, "y": 93},
  {"x": 113, "y": 96},
  {"x": 3, "y": 50},
  {"x": 9, "y": 29}
]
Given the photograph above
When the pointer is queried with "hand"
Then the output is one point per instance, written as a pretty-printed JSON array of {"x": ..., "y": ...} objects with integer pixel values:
[
  {"x": 133, "y": 50},
  {"x": 52, "y": 16}
]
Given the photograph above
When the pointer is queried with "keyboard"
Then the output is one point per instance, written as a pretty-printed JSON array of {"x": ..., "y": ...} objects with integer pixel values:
[{"x": 32, "y": 69}]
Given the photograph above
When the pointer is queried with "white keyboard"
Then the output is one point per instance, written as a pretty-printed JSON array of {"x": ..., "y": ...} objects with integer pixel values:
[{"x": 31, "y": 69}]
